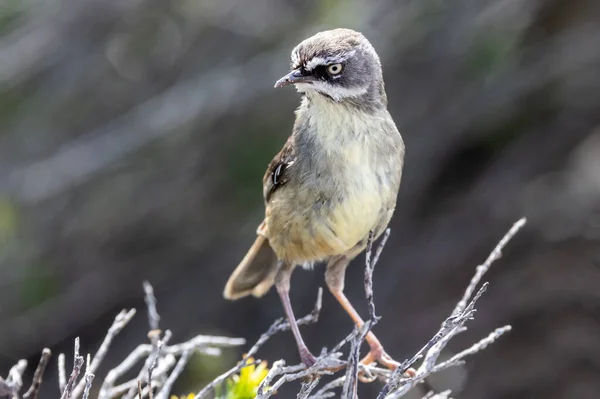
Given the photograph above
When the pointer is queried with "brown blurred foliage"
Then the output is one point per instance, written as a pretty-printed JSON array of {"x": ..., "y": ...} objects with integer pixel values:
[{"x": 134, "y": 133}]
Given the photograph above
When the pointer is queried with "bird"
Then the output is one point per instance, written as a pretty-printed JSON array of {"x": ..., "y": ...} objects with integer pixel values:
[{"x": 335, "y": 182}]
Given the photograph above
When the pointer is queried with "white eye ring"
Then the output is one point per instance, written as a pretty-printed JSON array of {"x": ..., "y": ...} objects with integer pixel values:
[{"x": 334, "y": 69}]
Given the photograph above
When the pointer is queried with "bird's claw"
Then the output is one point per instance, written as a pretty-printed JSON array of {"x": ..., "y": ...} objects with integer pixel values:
[
  {"x": 380, "y": 356},
  {"x": 307, "y": 358}
]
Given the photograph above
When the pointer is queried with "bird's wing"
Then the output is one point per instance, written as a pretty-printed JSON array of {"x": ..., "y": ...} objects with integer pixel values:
[{"x": 276, "y": 175}]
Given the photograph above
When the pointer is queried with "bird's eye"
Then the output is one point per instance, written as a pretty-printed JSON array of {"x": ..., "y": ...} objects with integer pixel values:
[{"x": 334, "y": 69}]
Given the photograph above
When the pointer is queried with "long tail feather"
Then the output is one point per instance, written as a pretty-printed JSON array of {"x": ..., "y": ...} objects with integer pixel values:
[{"x": 256, "y": 272}]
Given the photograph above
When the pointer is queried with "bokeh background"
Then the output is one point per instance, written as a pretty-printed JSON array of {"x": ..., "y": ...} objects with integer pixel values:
[{"x": 134, "y": 134}]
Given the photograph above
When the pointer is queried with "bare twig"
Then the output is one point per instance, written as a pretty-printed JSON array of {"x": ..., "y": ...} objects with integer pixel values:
[
  {"x": 159, "y": 355},
  {"x": 4, "y": 389},
  {"x": 32, "y": 392},
  {"x": 67, "y": 393},
  {"x": 14, "y": 381},
  {"x": 483, "y": 268},
  {"x": 62, "y": 373},
  {"x": 350, "y": 387},
  {"x": 166, "y": 389},
  {"x": 122, "y": 319},
  {"x": 76, "y": 350},
  {"x": 325, "y": 391},
  {"x": 441, "y": 395},
  {"x": 307, "y": 388},
  {"x": 89, "y": 378},
  {"x": 155, "y": 356},
  {"x": 323, "y": 366},
  {"x": 154, "y": 336},
  {"x": 397, "y": 385},
  {"x": 150, "y": 299},
  {"x": 278, "y": 326}
]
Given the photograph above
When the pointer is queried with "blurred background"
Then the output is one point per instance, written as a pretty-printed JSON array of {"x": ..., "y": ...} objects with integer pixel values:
[{"x": 134, "y": 135}]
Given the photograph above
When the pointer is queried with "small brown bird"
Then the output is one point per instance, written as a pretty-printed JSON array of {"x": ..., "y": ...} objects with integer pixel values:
[{"x": 335, "y": 180}]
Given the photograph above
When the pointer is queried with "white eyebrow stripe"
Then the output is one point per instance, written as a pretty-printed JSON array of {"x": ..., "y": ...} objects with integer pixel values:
[
  {"x": 316, "y": 61},
  {"x": 295, "y": 59}
]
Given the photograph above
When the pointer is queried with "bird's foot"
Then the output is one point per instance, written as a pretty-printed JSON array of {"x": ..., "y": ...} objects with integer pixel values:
[
  {"x": 307, "y": 358},
  {"x": 377, "y": 354}
]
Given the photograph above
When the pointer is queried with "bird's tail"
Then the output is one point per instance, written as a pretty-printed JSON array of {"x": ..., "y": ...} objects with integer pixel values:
[{"x": 256, "y": 272}]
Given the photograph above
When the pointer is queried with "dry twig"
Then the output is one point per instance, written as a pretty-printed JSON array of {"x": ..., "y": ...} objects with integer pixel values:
[
  {"x": 160, "y": 357},
  {"x": 278, "y": 326},
  {"x": 38, "y": 376},
  {"x": 397, "y": 385},
  {"x": 122, "y": 319}
]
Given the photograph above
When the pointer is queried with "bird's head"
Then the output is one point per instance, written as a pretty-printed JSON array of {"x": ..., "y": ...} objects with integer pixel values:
[{"x": 339, "y": 64}]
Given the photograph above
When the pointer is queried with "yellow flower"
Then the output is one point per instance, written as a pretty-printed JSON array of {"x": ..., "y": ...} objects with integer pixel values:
[
  {"x": 242, "y": 386},
  {"x": 245, "y": 385}
]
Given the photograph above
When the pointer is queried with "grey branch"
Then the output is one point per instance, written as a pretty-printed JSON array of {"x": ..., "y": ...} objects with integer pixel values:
[
  {"x": 14, "y": 381},
  {"x": 122, "y": 319},
  {"x": 89, "y": 378},
  {"x": 62, "y": 373},
  {"x": 153, "y": 316},
  {"x": 78, "y": 364},
  {"x": 326, "y": 390},
  {"x": 159, "y": 357},
  {"x": 154, "y": 336},
  {"x": 483, "y": 268},
  {"x": 38, "y": 376},
  {"x": 278, "y": 326},
  {"x": 397, "y": 385},
  {"x": 166, "y": 389},
  {"x": 441, "y": 395},
  {"x": 329, "y": 362},
  {"x": 350, "y": 388}
]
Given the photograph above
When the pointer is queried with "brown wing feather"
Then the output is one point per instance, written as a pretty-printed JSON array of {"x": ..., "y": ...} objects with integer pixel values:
[
  {"x": 275, "y": 175},
  {"x": 256, "y": 272}
]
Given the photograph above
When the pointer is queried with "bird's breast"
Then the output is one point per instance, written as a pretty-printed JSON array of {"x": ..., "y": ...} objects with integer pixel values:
[{"x": 344, "y": 189}]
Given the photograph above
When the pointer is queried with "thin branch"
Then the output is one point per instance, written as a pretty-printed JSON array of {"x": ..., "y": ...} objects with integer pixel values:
[
  {"x": 150, "y": 299},
  {"x": 158, "y": 361},
  {"x": 350, "y": 388},
  {"x": 62, "y": 373},
  {"x": 483, "y": 268},
  {"x": 154, "y": 336},
  {"x": 322, "y": 366},
  {"x": 278, "y": 326},
  {"x": 441, "y": 395},
  {"x": 67, "y": 393},
  {"x": 325, "y": 391},
  {"x": 38, "y": 376},
  {"x": 479, "y": 346},
  {"x": 122, "y": 319},
  {"x": 448, "y": 327},
  {"x": 14, "y": 381},
  {"x": 307, "y": 388},
  {"x": 166, "y": 389},
  {"x": 4, "y": 389},
  {"x": 397, "y": 385},
  {"x": 155, "y": 356},
  {"x": 89, "y": 378}
]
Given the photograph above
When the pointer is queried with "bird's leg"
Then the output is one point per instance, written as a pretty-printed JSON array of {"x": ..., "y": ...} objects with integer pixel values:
[
  {"x": 282, "y": 283},
  {"x": 334, "y": 277}
]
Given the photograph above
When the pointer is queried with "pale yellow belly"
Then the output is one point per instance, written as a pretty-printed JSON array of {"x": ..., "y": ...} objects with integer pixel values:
[{"x": 302, "y": 230}]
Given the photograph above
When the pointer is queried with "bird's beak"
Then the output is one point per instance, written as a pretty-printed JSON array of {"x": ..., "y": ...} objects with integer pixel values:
[{"x": 295, "y": 76}]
